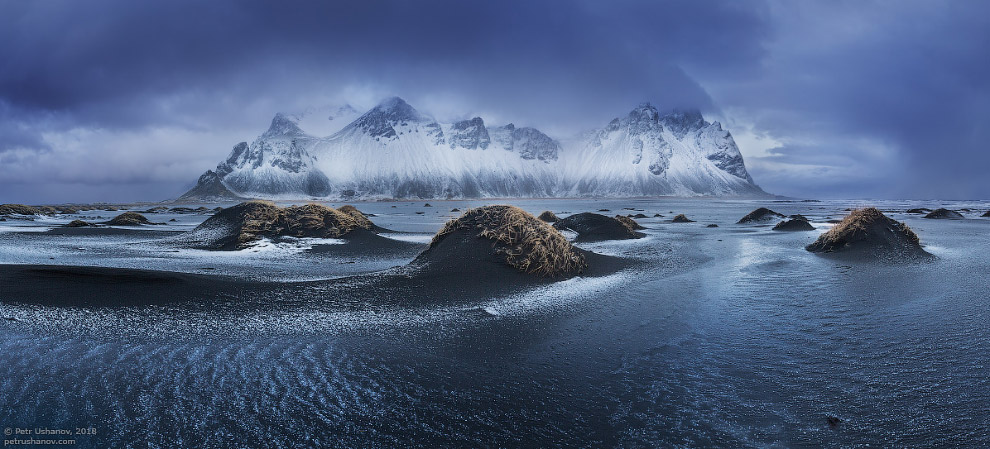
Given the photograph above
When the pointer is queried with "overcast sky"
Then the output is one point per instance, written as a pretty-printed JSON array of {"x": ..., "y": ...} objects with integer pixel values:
[{"x": 131, "y": 100}]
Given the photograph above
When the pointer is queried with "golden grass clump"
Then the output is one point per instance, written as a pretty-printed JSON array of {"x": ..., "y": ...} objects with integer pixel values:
[
  {"x": 362, "y": 220},
  {"x": 255, "y": 219},
  {"x": 528, "y": 244},
  {"x": 548, "y": 217},
  {"x": 629, "y": 223},
  {"x": 316, "y": 220}
]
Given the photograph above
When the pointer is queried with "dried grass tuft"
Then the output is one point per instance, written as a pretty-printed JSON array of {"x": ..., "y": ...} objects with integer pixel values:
[{"x": 629, "y": 223}]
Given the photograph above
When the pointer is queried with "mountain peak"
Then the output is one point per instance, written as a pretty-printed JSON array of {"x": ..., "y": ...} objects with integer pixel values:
[
  {"x": 644, "y": 112},
  {"x": 682, "y": 121},
  {"x": 282, "y": 125}
]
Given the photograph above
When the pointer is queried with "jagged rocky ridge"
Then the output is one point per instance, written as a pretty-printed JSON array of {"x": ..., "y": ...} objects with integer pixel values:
[{"x": 395, "y": 151}]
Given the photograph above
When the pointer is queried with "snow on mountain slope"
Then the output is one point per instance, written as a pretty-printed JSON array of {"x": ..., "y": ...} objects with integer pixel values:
[
  {"x": 395, "y": 151},
  {"x": 648, "y": 153},
  {"x": 278, "y": 163}
]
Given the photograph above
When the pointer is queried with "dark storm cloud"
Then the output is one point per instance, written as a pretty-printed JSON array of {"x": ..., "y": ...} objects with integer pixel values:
[
  {"x": 80, "y": 56},
  {"x": 901, "y": 86}
]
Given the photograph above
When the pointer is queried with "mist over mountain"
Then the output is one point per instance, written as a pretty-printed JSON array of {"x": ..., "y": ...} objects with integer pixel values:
[{"x": 396, "y": 151}]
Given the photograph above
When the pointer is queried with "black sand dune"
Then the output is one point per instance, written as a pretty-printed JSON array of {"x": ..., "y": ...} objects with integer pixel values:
[
  {"x": 89, "y": 231},
  {"x": 239, "y": 226},
  {"x": 78, "y": 224},
  {"x": 488, "y": 252},
  {"x": 868, "y": 234},
  {"x": 366, "y": 243},
  {"x": 74, "y": 286},
  {"x": 129, "y": 219},
  {"x": 504, "y": 236},
  {"x": 944, "y": 214},
  {"x": 592, "y": 227},
  {"x": 761, "y": 215}
]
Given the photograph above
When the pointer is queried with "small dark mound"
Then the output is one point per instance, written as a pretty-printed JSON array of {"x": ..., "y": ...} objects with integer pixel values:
[
  {"x": 592, "y": 227},
  {"x": 657, "y": 216},
  {"x": 761, "y": 215},
  {"x": 238, "y": 226},
  {"x": 713, "y": 225},
  {"x": 156, "y": 210},
  {"x": 604, "y": 210},
  {"x": 944, "y": 214},
  {"x": 870, "y": 234},
  {"x": 129, "y": 219},
  {"x": 183, "y": 210},
  {"x": 548, "y": 217},
  {"x": 78, "y": 224},
  {"x": 919, "y": 210},
  {"x": 639, "y": 216},
  {"x": 681, "y": 218},
  {"x": 798, "y": 217},
  {"x": 794, "y": 225},
  {"x": 506, "y": 235},
  {"x": 455, "y": 210},
  {"x": 427, "y": 205},
  {"x": 986, "y": 214},
  {"x": 629, "y": 222}
]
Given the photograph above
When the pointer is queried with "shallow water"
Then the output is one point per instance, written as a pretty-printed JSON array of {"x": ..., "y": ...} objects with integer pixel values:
[{"x": 731, "y": 337}]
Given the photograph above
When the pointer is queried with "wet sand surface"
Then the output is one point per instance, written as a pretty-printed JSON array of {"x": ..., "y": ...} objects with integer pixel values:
[{"x": 691, "y": 336}]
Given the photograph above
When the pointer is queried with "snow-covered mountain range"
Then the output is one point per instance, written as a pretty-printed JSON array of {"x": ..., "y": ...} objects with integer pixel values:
[{"x": 395, "y": 151}]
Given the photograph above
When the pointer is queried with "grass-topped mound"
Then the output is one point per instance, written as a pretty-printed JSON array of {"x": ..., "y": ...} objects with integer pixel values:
[
  {"x": 868, "y": 233},
  {"x": 79, "y": 224},
  {"x": 129, "y": 219},
  {"x": 629, "y": 222},
  {"x": 238, "y": 226},
  {"x": 18, "y": 209},
  {"x": 592, "y": 227},
  {"x": 503, "y": 234},
  {"x": 761, "y": 215},
  {"x": 944, "y": 214},
  {"x": 548, "y": 217},
  {"x": 358, "y": 216}
]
